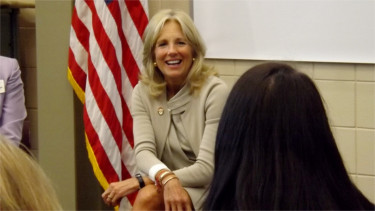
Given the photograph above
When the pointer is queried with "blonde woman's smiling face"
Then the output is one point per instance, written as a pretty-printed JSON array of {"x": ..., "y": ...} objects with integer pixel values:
[{"x": 173, "y": 54}]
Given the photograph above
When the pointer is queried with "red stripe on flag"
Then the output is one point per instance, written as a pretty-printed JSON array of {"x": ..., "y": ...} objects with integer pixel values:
[
  {"x": 106, "y": 46},
  {"x": 128, "y": 124},
  {"x": 80, "y": 29},
  {"x": 104, "y": 104},
  {"x": 131, "y": 69},
  {"x": 138, "y": 15},
  {"x": 128, "y": 60},
  {"x": 125, "y": 175},
  {"x": 78, "y": 74},
  {"x": 102, "y": 159}
]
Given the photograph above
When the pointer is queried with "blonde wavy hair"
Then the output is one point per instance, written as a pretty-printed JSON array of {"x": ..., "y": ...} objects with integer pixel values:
[
  {"x": 23, "y": 184},
  {"x": 151, "y": 75}
]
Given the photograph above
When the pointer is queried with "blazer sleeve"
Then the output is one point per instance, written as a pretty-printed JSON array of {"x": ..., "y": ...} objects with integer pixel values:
[
  {"x": 145, "y": 145},
  {"x": 13, "y": 109},
  {"x": 200, "y": 173}
]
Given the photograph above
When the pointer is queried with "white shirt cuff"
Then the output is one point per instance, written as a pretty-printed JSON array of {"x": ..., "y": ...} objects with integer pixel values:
[{"x": 154, "y": 169}]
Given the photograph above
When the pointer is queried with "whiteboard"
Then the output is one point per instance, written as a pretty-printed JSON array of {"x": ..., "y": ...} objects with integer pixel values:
[{"x": 290, "y": 30}]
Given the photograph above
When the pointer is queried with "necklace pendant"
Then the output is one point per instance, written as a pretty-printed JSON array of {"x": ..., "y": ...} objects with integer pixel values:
[{"x": 160, "y": 111}]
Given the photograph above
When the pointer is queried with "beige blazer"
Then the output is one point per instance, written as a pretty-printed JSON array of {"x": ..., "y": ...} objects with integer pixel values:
[{"x": 152, "y": 119}]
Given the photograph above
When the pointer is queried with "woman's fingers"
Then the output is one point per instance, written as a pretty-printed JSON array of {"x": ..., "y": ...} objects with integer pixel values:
[
  {"x": 105, "y": 196},
  {"x": 175, "y": 197},
  {"x": 180, "y": 207},
  {"x": 116, "y": 190},
  {"x": 188, "y": 206}
]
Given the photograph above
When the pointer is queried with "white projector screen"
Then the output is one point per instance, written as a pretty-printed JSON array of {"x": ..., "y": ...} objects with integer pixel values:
[{"x": 293, "y": 30}]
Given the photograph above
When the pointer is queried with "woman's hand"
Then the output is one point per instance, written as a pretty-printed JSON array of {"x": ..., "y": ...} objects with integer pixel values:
[
  {"x": 117, "y": 190},
  {"x": 176, "y": 197}
]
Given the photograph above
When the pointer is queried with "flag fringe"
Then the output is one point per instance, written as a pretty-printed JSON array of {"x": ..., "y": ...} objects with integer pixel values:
[
  {"x": 97, "y": 171},
  {"x": 77, "y": 89}
]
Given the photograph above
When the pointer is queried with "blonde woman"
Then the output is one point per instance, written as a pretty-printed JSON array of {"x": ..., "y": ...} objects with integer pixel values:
[
  {"x": 176, "y": 108},
  {"x": 23, "y": 184}
]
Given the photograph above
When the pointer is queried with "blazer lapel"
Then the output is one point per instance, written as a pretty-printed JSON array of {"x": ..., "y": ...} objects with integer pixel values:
[{"x": 162, "y": 119}]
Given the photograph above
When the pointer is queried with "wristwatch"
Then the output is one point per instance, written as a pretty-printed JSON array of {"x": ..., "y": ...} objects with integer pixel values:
[{"x": 140, "y": 180}]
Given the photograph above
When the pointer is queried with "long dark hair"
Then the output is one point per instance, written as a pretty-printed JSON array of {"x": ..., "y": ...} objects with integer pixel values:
[{"x": 275, "y": 149}]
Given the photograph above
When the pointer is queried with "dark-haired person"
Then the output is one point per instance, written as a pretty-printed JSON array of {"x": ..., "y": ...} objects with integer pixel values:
[
  {"x": 176, "y": 108},
  {"x": 275, "y": 150}
]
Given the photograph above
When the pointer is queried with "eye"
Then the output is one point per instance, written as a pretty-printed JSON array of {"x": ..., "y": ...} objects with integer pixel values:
[
  {"x": 181, "y": 43},
  {"x": 161, "y": 44}
]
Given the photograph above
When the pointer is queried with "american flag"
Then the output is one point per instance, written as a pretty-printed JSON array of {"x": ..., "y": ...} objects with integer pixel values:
[{"x": 105, "y": 58}]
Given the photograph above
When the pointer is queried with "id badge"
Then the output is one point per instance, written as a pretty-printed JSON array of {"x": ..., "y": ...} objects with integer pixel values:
[{"x": 2, "y": 86}]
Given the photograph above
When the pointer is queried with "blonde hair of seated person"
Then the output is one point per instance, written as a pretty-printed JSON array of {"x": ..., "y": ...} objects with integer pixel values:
[{"x": 23, "y": 183}]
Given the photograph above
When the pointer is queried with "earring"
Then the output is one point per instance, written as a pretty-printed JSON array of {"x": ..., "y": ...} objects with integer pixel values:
[
  {"x": 193, "y": 59},
  {"x": 155, "y": 64}
]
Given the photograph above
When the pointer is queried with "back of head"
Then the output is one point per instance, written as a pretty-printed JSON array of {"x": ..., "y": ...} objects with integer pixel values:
[
  {"x": 275, "y": 149},
  {"x": 23, "y": 184}
]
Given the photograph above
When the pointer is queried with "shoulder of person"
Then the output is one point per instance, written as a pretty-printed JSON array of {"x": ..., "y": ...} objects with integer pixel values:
[
  {"x": 141, "y": 90},
  {"x": 216, "y": 82},
  {"x": 215, "y": 89},
  {"x": 139, "y": 86},
  {"x": 8, "y": 62},
  {"x": 8, "y": 65}
]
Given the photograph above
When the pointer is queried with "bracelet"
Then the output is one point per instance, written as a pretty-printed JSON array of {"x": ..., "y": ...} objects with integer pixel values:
[
  {"x": 164, "y": 175},
  {"x": 169, "y": 179},
  {"x": 140, "y": 180}
]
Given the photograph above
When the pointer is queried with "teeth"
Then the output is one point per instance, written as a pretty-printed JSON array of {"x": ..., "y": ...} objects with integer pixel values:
[{"x": 174, "y": 62}]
